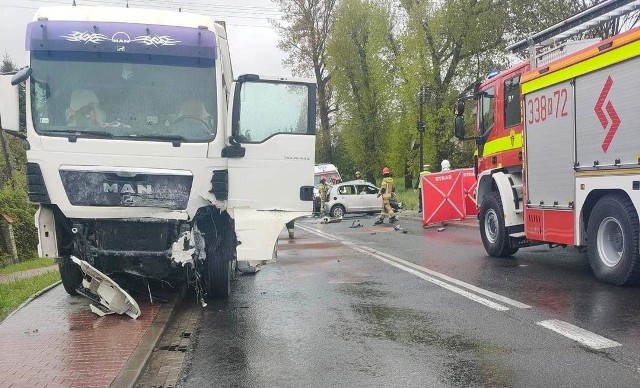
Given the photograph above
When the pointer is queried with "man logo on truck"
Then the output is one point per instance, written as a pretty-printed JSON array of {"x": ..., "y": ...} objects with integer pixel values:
[{"x": 127, "y": 188}]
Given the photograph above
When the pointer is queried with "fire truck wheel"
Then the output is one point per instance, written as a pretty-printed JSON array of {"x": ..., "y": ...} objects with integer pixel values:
[
  {"x": 612, "y": 241},
  {"x": 492, "y": 230},
  {"x": 220, "y": 266},
  {"x": 71, "y": 275}
]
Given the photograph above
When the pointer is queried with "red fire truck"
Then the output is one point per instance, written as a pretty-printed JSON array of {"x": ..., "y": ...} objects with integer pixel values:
[{"x": 558, "y": 151}]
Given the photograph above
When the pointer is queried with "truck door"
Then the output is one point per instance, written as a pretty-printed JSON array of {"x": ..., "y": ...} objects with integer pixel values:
[
  {"x": 272, "y": 145},
  {"x": 270, "y": 157}
]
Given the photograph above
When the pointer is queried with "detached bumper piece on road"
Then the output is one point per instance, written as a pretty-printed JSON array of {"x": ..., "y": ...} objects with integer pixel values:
[{"x": 103, "y": 290}]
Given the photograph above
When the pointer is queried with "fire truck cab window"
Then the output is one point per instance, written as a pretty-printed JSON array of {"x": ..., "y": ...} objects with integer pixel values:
[
  {"x": 512, "y": 101},
  {"x": 488, "y": 110}
]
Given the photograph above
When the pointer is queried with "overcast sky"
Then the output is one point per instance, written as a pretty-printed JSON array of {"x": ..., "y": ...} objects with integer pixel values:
[{"x": 252, "y": 39}]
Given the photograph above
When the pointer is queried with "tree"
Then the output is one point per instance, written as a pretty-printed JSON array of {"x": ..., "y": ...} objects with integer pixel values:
[
  {"x": 359, "y": 62},
  {"x": 305, "y": 29},
  {"x": 447, "y": 45}
]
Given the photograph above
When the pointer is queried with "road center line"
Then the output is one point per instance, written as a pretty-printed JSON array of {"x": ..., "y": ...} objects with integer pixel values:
[
  {"x": 442, "y": 276},
  {"x": 457, "y": 290},
  {"x": 460, "y": 283},
  {"x": 579, "y": 334}
]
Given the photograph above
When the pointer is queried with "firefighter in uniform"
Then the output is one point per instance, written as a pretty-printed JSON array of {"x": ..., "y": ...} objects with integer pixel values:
[
  {"x": 323, "y": 192},
  {"x": 385, "y": 191}
]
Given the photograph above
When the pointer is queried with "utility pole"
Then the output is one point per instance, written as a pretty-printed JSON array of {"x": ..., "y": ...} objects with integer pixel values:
[{"x": 422, "y": 96}]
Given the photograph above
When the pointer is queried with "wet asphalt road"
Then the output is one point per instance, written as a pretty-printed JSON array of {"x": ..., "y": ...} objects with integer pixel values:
[{"x": 330, "y": 314}]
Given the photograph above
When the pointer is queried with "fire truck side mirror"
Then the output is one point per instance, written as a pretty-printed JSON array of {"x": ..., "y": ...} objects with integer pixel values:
[
  {"x": 476, "y": 91},
  {"x": 458, "y": 127}
]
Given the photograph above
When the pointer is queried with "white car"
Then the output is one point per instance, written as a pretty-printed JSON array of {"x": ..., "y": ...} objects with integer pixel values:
[{"x": 356, "y": 196}]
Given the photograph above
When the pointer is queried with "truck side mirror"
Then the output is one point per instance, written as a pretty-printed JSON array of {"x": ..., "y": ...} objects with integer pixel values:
[
  {"x": 458, "y": 127},
  {"x": 9, "y": 106},
  {"x": 21, "y": 76}
]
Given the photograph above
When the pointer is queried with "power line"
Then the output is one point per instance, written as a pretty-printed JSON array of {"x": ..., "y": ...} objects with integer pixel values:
[
  {"x": 228, "y": 24},
  {"x": 210, "y": 12},
  {"x": 176, "y": 4}
]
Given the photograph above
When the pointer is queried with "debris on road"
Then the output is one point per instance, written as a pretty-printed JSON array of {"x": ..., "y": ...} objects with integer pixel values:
[
  {"x": 330, "y": 220},
  {"x": 109, "y": 296}
]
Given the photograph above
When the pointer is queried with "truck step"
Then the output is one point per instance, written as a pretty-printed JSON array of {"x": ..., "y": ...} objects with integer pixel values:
[{"x": 517, "y": 235}]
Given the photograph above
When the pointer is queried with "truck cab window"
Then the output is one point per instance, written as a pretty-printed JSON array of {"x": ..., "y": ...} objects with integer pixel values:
[
  {"x": 125, "y": 95},
  {"x": 487, "y": 106},
  {"x": 512, "y": 101},
  {"x": 267, "y": 109}
]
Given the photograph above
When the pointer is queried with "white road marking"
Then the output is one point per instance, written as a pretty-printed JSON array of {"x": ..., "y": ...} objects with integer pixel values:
[
  {"x": 442, "y": 276},
  {"x": 457, "y": 290},
  {"x": 566, "y": 329},
  {"x": 460, "y": 283},
  {"x": 579, "y": 334}
]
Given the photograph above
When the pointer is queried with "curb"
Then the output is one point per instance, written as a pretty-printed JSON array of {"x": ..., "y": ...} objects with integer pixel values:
[{"x": 137, "y": 361}]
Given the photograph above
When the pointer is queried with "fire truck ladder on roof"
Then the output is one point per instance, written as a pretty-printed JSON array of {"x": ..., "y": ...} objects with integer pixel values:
[{"x": 551, "y": 39}]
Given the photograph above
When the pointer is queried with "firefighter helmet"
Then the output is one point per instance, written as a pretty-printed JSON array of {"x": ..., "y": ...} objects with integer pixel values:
[
  {"x": 386, "y": 171},
  {"x": 323, "y": 180},
  {"x": 445, "y": 165}
]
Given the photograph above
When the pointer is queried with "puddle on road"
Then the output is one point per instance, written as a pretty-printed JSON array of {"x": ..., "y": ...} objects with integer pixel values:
[{"x": 467, "y": 362}]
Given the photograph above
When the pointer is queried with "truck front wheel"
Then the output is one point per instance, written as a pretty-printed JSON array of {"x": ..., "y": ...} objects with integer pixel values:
[
  {"x": 220, "y": 265},
  {"x": 70, "y": 274},
  {"x": 492, "y": 230},
  {"x": 612, "y": 241}
]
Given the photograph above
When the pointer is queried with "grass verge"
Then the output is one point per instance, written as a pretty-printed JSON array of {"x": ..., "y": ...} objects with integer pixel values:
[
  {"x": 27, "y": 264},
  {"x": 408, "y": 197},
  {"x": 14, "y": 293}
]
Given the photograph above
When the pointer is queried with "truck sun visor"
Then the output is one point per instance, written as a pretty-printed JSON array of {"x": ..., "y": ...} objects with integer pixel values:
[{"x": 120, "y": 38}]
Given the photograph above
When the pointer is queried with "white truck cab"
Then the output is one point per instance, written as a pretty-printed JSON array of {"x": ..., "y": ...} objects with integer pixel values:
[{"x": 146, "y": 157}]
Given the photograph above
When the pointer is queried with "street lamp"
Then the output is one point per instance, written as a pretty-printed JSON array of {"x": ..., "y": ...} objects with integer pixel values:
[{"x": 422, "y": 96}]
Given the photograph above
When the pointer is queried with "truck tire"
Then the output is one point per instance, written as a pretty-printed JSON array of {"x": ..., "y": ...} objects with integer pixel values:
[
  {"x": 492, "y": 230},
  {"x": 71, "y": 275},
  {"x": 220, "y": 266},
  {"x": 612, "y": 241}
]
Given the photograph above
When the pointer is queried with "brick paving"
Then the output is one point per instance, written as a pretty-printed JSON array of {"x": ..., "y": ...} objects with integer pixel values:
[
  {"x": 164, "y": 368},
  {"x": 56, "y": 341},
  {"x": 10, "y": 277}
]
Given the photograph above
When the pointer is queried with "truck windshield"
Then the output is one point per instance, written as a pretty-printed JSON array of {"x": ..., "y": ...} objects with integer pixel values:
[{"x": 157, "y": 98}]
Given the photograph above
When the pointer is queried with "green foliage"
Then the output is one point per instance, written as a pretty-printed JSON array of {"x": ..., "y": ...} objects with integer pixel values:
[
  {"x": 380, "y": 52},
  {"x": 361, "y": 80},
  {"x": 13, "y": 294},
  {"x": 16, "y": 204},
  {"x": 18, "y": 160},
  {"x": 379, "y": 57},
  {"x": 408, "y": 197},
  {"x": 27, "y": 264}
]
